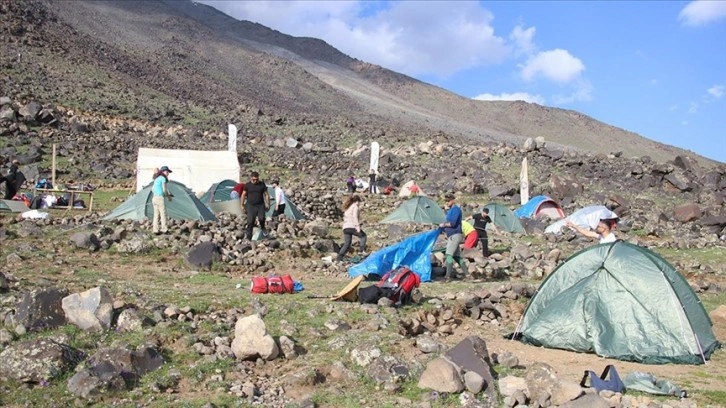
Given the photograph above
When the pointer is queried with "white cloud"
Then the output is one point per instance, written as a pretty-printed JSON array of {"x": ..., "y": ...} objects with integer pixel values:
[
  {"x": 684, "y": 123},
  {"x": 693, "y": 108},
  {"x": 522, "y": 40},
  {"x": 699, "y": 13},
  {"x": 716, "y": 91},
  {"x": 557, "y": 65},
  {"x": 673, "y": 108},
  {"x": 581, "y": 92},
  {"x": 516, "y": 96},
  {"x": 414, "y": 38}
]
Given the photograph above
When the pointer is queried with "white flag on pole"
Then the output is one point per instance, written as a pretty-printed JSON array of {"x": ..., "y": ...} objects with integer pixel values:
[
  {"x": 232, "y": 141},
  {"x": 524, "y": 182}
]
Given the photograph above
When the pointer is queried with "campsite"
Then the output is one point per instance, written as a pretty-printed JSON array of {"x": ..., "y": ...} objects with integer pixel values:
[{"x": 97, "y": 310}]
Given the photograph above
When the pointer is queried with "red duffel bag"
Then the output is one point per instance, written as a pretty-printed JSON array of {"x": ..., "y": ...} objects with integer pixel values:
[{"x": 273, "y": 284}]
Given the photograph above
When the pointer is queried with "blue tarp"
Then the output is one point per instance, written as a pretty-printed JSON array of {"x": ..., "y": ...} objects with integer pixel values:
[
  {"x": 531, "y": 207},
  {"x": 413, "y": 252}
]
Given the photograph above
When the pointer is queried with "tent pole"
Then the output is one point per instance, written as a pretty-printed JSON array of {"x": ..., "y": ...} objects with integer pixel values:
[{"x": 52, "y": 168}]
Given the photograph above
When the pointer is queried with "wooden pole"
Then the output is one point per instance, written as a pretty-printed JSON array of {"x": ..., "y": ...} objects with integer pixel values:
[{"x": 52, "y": 168}]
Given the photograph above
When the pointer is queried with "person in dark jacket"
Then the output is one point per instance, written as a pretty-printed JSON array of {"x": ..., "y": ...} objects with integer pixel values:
[
  {"x": 256, "y": 201},
  {"x": 11, "y": 181}
]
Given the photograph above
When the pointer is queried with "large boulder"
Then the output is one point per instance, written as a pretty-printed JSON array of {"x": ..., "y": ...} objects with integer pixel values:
[
  {"x": 252, "y": 340},
  {"x": 41, "y": 309},
  {"x": 89, "y": 310},
  {"x": 38, "y": 360}
]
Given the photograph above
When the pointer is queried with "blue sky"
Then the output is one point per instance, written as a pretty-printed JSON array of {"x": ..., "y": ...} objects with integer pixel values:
[{"x": 657, "y": 68}]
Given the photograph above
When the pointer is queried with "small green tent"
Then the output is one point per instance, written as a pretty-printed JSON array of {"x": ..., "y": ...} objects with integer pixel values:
[
  {"x": 220, "y": 192},
  {"x": 620, "y": 301},
  {"x": 184, "y": 205},
  {"x": 419, "y": 209},
  {"x": 504, "y": 218}
]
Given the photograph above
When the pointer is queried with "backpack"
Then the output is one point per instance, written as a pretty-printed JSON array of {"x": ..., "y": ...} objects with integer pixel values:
[
  {"x": 398, "y": 284},
  {"x": 273, "y": 284}
]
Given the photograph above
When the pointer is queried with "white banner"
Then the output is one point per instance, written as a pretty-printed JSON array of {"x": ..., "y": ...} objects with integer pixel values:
[
  {"x": 232, "y": 141},
  {"x": 524, "y": 183},
  {"x": 375, "y": 151}
]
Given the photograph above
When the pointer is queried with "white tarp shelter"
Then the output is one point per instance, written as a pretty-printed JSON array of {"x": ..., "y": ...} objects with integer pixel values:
[{"x": 196, "y": 169}]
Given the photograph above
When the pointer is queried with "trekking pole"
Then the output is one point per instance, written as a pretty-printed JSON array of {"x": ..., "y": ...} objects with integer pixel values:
[{"x": 319, "y": 296}]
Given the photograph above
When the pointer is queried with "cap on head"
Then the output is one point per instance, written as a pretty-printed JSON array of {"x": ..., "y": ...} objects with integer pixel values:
[
  {"x": 165, "y": 168},
  {"x": 449, "y": 196},
  {"x": 276, "y": 181}
]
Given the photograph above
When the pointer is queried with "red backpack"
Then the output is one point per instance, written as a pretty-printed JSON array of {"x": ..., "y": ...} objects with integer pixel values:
[
  {"x": 273, "y": 284},
  {"x": 399, "y": 283}
]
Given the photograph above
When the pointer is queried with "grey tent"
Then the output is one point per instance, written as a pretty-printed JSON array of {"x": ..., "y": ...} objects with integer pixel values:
[
  {"x": 585, "y": 217},
  {"x": 184, "y": 205},
  {"x": 504, "y": 218},
  {"x": 620, "y": 301},
  {"x": 419, "y": 209}
]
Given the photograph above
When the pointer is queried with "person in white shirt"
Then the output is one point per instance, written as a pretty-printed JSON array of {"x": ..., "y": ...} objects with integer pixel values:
[
  {"x": 280, "y": 199},
  {"x": 603, "y": 232},
  {"x": 351, "y": 226}
]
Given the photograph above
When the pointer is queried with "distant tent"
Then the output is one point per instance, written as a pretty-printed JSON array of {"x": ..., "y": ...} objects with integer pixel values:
[
  {"x": 219, "y": 191},
  {"x": 291, "y": 211},
  {"x": 504, "y": 218},
  {"x": 405, "y": 190},
  {"x": 184, "y": 206},
  {"x": 218, "y": 199},
  {"x": 413, "y": 252},
  {"x": 419, "y": 209},
  {"x": 586, "y": 217},
  {"x": 540, "y": 206},
  {"x": 620, "y": 301},
  {"x": 13, "y": 206}
]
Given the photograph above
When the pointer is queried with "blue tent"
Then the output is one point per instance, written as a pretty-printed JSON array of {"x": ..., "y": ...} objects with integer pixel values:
[
  {"x": 540, "y": 205},
  {"x": 413, "y": 252}
]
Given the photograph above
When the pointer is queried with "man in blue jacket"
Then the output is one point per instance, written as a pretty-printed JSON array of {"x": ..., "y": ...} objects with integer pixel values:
[{"x": 452, "y": 228}]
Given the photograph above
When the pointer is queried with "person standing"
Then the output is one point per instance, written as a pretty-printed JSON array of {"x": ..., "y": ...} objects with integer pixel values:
[
  {"x": 11, "y": 181},
  {"x": 452, "y": 228},
  {"x": 471, "y": 236},
  {"x": 372, "y": 181},
  {"x": 350, "y": 183},
  {"x": 160, "y": 193},
  {"x": 256, "y": 202},
  {"x": 237, "y": 191},
  {"x": 351, "y": 226},
  {"x": 280, "y": 199},
  {"x": 480, "y": 225},
  {"x": 603, "y": 232}
]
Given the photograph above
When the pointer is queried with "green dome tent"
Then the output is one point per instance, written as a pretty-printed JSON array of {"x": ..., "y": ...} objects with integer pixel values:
[
  {"x": 419, "y": 209},
  {"x": 218, "y": 195},
  {"x": 620, "y": 301},
  {"x": 184, "y": 206},
  {"x": 504, "y": 218}
]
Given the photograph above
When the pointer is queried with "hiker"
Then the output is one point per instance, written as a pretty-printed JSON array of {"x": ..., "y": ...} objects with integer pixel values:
[
  {"x": 389, "y": 189},
  {"x": 280, "y": 199},
  {"x": 256, "y": 202},
  {"x": 350, "y": 183},
  {"x": 452, "y": 228},
  {"x": 603, "y": 232},
  {"x": 413, "y": 190},
  {"x": 160, "y": 193},
  {"x": 480, "y": 225},
  {"x": 351, "y": 226},
  {"x": 11, "y": 181},
  {"x": 237, "y": 190},
  {"x": 372, "y": 181},
  {"x": 470, "y": 235}
]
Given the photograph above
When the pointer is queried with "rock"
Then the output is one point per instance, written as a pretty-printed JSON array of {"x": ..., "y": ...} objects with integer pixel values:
[
  {"x": 365, "y": 355},
  {"x": 112, "y": 369},
  {"x": 427, "y": 344},
  {"x": 89, "y": 310},
  {"x": 471, "y": 355},
  {"x": 441, "y": 376},
  {"x": 129, "y": 320},
  {"x": 203, "y": 255},
  {"x": 38, "y": 360},
  {"x": 565, "y": 391},
  {"x": 587, "y": 401},
  {"x": 718, "y": 315},
  {"x": 85, "y": 240},
  {"x": 473, "y": 382},
  {"x": 510, "y": 384},
  {"x": 41, "y": 309},
  {"x": 529, "y": 145},
  {"x": 541, "y": 381},
  {"x": 687, "y": 212},
  {"x": 251, "y": 340}
]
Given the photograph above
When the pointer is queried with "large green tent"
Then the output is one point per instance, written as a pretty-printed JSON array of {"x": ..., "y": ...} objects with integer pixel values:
[
  {"x": 504, "y": 218},
  {"x": 183, "y": 206},
  {"x": 620, "y": 301},
  {"x": 219, "y": 193},
  {"x": 419, "y": 209}
]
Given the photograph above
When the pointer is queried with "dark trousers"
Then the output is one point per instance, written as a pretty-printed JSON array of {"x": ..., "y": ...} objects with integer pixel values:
[
  {"x": 484, "y": 241},
  {"x": 372, "y": 184},
  {"x": 279, "y": 210},
  {"x": 348, "y": 240},
  {"x": 254, "y": 211},
  {"x": 10, "y": 189}
]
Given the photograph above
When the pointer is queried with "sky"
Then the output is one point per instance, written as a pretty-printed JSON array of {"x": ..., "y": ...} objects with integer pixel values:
[{"x": 657, "y": 68}]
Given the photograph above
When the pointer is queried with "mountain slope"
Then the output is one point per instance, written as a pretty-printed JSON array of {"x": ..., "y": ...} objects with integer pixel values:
[{"x": 179, "y": 60}]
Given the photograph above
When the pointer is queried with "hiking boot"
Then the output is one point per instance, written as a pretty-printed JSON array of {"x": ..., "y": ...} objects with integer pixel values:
[
  {"x": 464, "y": 267},
  {"x": 449, "y": 272}
]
